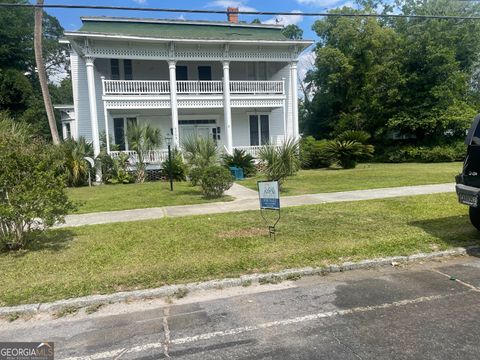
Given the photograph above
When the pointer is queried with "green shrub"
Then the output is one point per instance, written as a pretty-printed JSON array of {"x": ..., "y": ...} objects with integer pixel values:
[
  {"x": 440, "y": 153},
  {"x": 200, "y": 154},
  {"x": 354, "y": 135},
  {"x": 77, "y": 168},
  {"x": 115, "y": 170},
  {"x": 241, "y": 160},
  {"x": 347, "y": 153},
  {"x": 32, "y": 186},
  {"x": 142, "y": 139},
  {"x": 179, "y": 168},
  {"x": 312, "y": 153},
  {"x": 281, "y": 162},
  {"x": 215, "y": 180}
]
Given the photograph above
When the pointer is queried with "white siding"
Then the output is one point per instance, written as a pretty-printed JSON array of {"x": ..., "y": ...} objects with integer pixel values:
[{"x": 80, "y": 93}]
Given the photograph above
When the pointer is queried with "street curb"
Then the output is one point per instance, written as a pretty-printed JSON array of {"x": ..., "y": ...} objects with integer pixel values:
[{"x": 170, "y": 290}]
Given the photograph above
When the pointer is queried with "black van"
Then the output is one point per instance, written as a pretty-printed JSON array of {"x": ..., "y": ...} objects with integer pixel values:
[{"x": 468, "y": 182}]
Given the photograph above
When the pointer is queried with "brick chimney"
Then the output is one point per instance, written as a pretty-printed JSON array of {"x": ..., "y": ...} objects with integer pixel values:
[{"x": 232, "y": 13}]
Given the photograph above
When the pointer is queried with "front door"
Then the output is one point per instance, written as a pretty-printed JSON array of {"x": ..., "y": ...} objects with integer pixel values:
[{"x": 197, "y": 128}]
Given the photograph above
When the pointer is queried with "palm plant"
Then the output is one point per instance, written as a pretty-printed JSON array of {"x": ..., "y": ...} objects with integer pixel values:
[
  {"x": 354, "y": 135},
  {"x": 242, "y": 160},
  {"x": 281, "y": 162},
  {"x": 77, "y": 167},
  {"x": 200, "y": 153},
  {"x": 347, "y": 152},
  {"x": 142, "y": 139}
]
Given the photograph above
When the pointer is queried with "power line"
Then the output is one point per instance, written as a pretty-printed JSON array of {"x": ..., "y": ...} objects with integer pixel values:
[{"x": 265, "y": 13}]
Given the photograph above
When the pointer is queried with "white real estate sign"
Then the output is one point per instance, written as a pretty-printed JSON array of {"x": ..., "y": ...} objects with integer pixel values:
[{"x": 269, "y": 195}]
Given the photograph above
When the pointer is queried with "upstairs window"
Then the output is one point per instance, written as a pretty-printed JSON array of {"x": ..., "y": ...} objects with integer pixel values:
[
  {"x": 127, "y": 69},
  {"x": 182, "y": 73},
  {"x": 204, "y": 73},
  {"x": 115, "y": 69}
]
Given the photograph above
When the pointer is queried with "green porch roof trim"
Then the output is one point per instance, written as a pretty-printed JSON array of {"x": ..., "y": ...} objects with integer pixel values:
[{"x": 183, "y": 31}]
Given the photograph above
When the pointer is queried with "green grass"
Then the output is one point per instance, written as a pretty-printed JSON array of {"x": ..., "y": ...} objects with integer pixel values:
[
  {"x": 114, "y": 257},
  {"x": 365, "y": 176},
  {"x": 136, "y": 196}
]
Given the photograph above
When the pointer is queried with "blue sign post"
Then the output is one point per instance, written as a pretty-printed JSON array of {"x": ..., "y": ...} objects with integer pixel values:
[{"x": 269, "y": 195}]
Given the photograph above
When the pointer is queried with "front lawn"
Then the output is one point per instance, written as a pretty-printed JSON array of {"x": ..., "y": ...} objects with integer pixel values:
[
  {"x": 365, "y": 176},
  {"x": 136, "y": 196},
  {"x": 114, "y": 257}
]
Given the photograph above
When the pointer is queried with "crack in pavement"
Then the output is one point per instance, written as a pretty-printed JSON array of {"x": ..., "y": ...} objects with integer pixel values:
[
  {"x": 346, "y": 346},
  {"x": 246, "y": 329},
  {"x": 166, "y": 330}
]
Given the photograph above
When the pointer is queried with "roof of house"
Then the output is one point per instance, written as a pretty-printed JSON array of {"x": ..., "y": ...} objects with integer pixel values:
[{"x": 181, "y": 29}]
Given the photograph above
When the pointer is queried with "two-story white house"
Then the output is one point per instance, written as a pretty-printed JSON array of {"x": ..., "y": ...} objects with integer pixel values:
[{"x": 233, "y": 82}]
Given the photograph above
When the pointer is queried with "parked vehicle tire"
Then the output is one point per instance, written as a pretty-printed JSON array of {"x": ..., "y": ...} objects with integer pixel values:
[{"x": 474, "y": 213}]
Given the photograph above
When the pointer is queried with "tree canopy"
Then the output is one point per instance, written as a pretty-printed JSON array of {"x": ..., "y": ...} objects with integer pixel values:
[
  {"x": 293, "y": 32},
  {"x": 403, "y": 76},
  {"x": 20, "y": 94}
]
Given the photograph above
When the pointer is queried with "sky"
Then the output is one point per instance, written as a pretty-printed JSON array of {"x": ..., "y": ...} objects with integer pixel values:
[{"x": 70, "y": 18}]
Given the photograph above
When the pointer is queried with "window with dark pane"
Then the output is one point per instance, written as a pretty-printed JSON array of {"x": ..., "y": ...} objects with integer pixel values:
[
  {"x": 182, "y": 73},
  {"x": 119, "y": 133},
  {"x": 115, "y": 69},
  {"x": 264, "y": 130},
  {"x": 128, "y": 69},
  {"x": 254, "y": 130}
]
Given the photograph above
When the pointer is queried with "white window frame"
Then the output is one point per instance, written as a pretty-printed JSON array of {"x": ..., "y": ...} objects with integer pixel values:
[
  {"x": 269, "y": 114},
  {"x": 124, "y": 117}
]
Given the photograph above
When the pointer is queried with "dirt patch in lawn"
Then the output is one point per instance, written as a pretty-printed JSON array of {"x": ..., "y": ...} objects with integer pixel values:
[{"x": 243, "y": 233}]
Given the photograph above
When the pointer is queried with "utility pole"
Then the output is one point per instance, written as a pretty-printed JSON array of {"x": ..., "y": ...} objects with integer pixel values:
[{"x": 42, "y": 74}]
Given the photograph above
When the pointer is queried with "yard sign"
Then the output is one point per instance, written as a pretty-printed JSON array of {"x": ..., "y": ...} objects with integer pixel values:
[
  {"x": 269, "y": 195},
  {"x": 269, "y": 200}
]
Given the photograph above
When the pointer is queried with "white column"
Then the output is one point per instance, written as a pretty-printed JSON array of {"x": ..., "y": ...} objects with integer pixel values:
[
  {"x": 172, "y": 66},
  {"x": 294, "y": 96},
  {"x": 92, "y": 100},
  {"x": 64, "y": 131},
  {"x": 226, "y": 107},
  {"x": 284, "y": 109},
  {"x": 105, "y": 114}
]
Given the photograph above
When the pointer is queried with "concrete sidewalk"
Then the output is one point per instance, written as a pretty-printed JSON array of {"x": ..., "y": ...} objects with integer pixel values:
[{"x": 247, "y": 199}]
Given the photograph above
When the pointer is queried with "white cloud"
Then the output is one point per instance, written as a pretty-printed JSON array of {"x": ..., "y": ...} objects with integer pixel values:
[
  {"x": 285, "y": 19},
  {"x": 324, "y": 3},
  {"x": 141, "y": 2},
  {"x": 224, "y": 4}
]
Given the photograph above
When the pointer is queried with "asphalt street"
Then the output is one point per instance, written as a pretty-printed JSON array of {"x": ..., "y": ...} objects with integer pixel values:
[{"x": 422, "y": 311}]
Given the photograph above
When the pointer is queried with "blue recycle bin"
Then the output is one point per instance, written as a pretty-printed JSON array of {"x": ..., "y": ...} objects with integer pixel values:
[{"x": 237, "y": 172}]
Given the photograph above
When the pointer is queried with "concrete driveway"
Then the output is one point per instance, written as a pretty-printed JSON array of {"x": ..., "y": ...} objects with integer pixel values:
[{"x": 423, "y": 311}]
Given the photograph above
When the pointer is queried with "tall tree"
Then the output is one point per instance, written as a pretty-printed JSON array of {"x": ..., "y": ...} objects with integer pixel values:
[
  {"x": 293, "y": 32},
  {"x": 42, "y": 74},
  {"x": 408, "y": 76}
]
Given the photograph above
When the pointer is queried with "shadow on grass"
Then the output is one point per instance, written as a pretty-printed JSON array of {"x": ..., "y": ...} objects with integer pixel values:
[
  {"x": 454, "y": 231},
  {"x": 50, "y": 240}
]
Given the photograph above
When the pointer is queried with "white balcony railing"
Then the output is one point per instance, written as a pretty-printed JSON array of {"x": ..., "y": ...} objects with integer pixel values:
[
  {"x": 256, "y": 87},
  {"x": 199, "y": 87},
  {"x": 152, "y": 157},
  {"x": 162, "y": 87},
  {"x": 136, "y": 87}
]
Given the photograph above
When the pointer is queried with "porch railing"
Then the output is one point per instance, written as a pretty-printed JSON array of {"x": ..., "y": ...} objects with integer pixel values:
[
  {"x": 256, "y": 87},
  {"x": 152, "y": 157},
  {"x": 251, "y": 150},
  {"x": 199, "y": 87},
  {"x": 162, "y": 87},
  {"x": 136, "y": 87}
]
